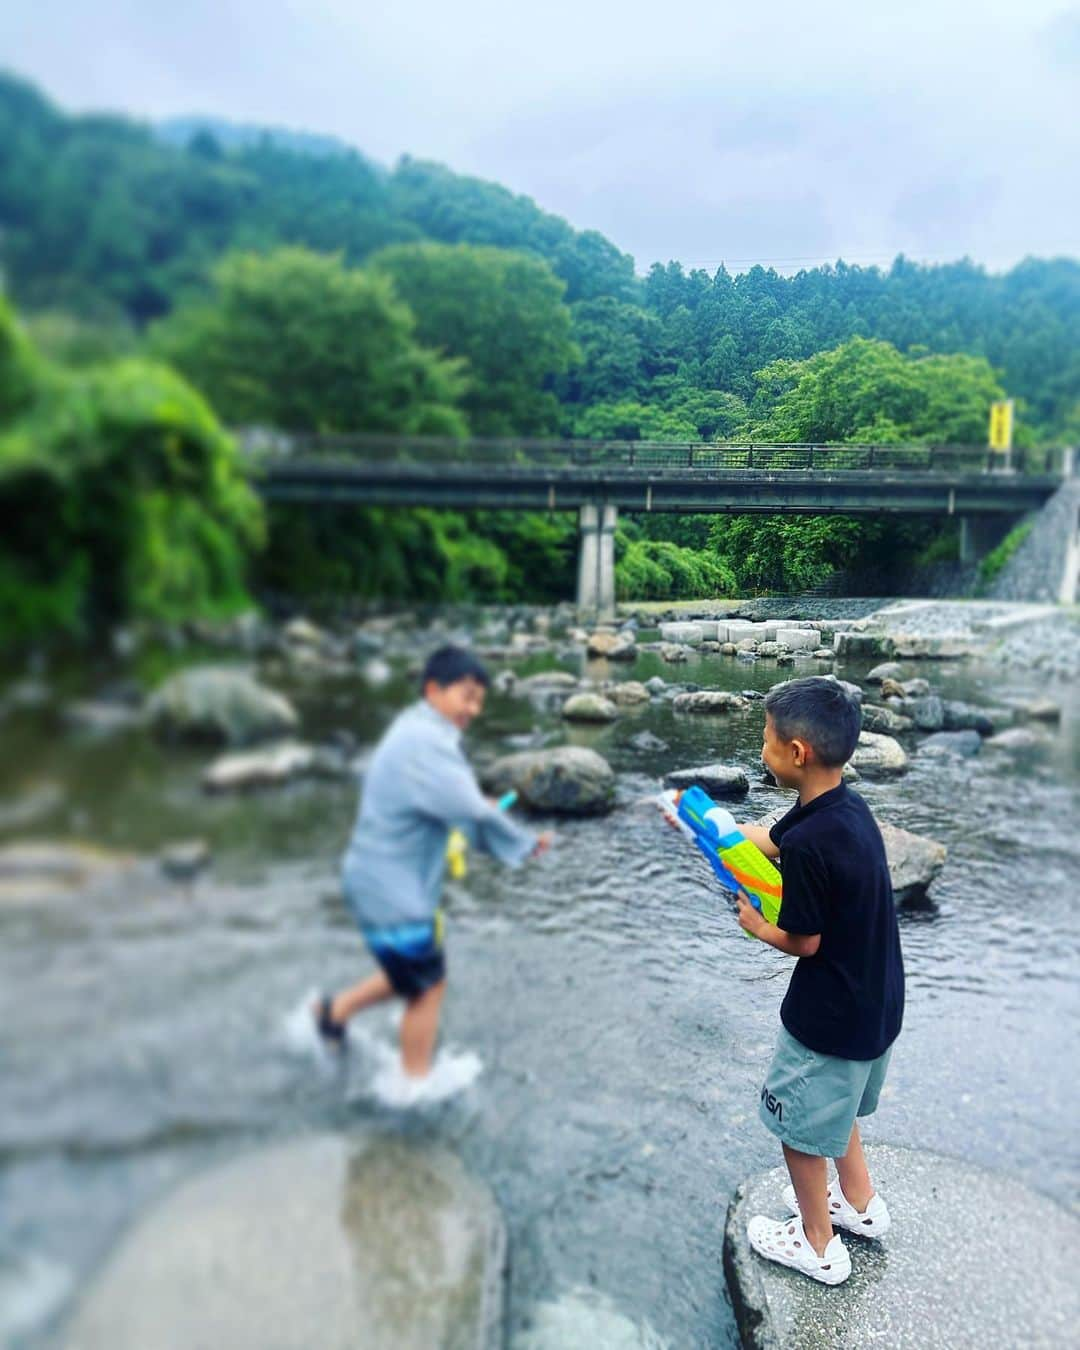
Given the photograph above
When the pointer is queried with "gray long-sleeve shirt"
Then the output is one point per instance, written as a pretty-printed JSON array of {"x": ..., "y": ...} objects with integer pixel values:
[{"x": 418, "y": 786}]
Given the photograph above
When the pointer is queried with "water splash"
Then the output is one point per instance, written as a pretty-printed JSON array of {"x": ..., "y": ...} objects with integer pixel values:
[{"x": 452, "y": 1072}]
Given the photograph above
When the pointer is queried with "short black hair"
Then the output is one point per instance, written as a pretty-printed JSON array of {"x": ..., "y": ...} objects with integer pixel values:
[
  {"x": 819, "y": 711},
  {"x": 450, "y": 664}
]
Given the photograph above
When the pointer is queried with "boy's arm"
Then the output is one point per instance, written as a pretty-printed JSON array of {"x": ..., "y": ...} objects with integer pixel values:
[
  {"x": 443, "y": 786},
  {"x": 760, "y": 837},
  {"x": 794, "y": 944}
]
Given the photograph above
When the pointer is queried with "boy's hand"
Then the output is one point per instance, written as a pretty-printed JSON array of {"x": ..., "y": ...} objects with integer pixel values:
[
  {"x": 543, "y": 843},
  {"x": 751, "y": 920}
]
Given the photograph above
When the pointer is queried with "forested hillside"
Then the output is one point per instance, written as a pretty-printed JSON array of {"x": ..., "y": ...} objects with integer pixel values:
[{"x": 294, "y": 281}]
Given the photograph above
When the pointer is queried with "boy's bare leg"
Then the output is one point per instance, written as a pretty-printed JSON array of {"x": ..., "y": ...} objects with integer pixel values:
[
  {"x": 853, "y": 1173},
  {"x": 810, "y": 1180},
  {"x": 374, "y": 989},
  {"x": 419, "y": 1028}
]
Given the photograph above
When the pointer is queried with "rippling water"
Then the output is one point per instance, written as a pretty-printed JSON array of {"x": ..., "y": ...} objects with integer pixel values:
[{"x": 622, "y": 1020}]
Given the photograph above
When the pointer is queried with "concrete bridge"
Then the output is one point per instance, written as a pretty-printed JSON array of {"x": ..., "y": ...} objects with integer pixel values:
[{"x": 987, "y": 492}]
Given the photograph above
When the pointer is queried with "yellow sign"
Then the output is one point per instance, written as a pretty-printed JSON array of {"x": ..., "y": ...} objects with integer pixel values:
[{"x": 1001, "y": 425}]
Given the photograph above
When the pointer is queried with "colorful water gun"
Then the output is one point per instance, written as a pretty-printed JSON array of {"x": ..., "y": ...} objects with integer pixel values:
[
  {"x": 739, "y": 865},
  {"x": 457, "y": 846}
]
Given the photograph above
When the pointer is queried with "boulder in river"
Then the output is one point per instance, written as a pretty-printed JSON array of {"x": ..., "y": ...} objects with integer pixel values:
[
  {"x": 1036, "y": 709},
  {"x": 963, "y": 743},
  {"x": 219, "y": 703},
  {"x": 718, "y": 780},
  {"x": 674, "y": 652},
  {"x": 589, "y": 708},
  {"x": 273, "y": 765},
  {"x": 928, "y": 712},
  {"x": 613, "y": 646},
  {"x": 567, "y": 779},
  {"x": 891, "y": 670},
  {"x": 966, "y": 717},
  {"x": 884, "y": 720},
  {"x": 914, "y": 861},
  {"x": 627, "y": 693},
  {"x": 878, "y": 756},
  {"x": 368, "y": 1243},
  {"x": 710, "y": 701}
]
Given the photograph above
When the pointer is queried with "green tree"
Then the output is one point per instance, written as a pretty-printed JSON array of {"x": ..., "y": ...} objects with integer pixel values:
[
  {"x": 122, "y": 498},
  {"x": 867, "y": 391},
  {"x": 501, "y": 312},
  {"x": 298, "y": 341}
]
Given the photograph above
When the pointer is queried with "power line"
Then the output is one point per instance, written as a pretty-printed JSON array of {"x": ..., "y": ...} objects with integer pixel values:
[{"x": 841, "y": 256}]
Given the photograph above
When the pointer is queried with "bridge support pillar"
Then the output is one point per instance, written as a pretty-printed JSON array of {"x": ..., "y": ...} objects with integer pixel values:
[{"x": 596, "y": 560}]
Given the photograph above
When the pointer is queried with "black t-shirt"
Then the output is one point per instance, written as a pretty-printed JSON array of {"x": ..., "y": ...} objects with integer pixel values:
[{"x": 848, "y": 998}]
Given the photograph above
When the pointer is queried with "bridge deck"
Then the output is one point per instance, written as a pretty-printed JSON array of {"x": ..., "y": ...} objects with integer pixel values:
[{"x": 645, "y": 476}]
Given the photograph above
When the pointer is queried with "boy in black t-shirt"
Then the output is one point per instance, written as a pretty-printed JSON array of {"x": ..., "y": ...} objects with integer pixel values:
[{"x": 845, "y": 1003}]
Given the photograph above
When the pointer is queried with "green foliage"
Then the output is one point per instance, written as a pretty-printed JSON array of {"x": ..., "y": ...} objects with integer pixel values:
[
  {"x": 296, "y": 340},
  {"x": 866, "y": 391},
  {"x": 122, "y": 498},
  {"x": 503, "y": 314},
  {"x": 656, "y": 569},
  {"x": 997, "y": 559},
  {"x": 20, "y": 371}
]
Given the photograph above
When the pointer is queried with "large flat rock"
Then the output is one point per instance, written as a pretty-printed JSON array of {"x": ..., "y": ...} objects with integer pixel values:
[
  {"x": 368, "y": 1243},
  {"x": 973, "y": 1259}
]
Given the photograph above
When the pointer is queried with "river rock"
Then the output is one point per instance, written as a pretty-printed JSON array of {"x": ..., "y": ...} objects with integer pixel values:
[
  {"x": 45, "y": 869},
  {"x": 915, "y": 860},
  {"x": 568, "y": 779},
  {"x": 589, "y": 708},
  {"x": 1036, "y": 709},
  {"x": 718, "y": 780},
  {"x": 894, "y": 1297},
  {"x": 1019, "y": 738},
  {"x": 928, "y": 713},
  {"x": 863, "y": 645},
  {"x": 376, "y": 673},
  {"x": 645, "y": 740},
  {"x": 884, "y": 720},
  {"x": 963, "y": 743},
  {"x": 917, "y": 688},
  {"x": 219, "y": 703},
  {"x": 302, "y": 632},
  {"x": 613, "y": 646},
  {"x": 887, "y": 670},
  {"x": 879, "y": 756},
  {"x": 656, "y": 685},
  {"x": 965, "y": 717},
  {"x": 710, "y": 701},
  {"x": 627, "y": 693},
  {"x": 377, "y": 1243},
  {"x": 184, "y": 860},
  {"x": 674, "y": 652},
  {"x": 272, "y": 766}
]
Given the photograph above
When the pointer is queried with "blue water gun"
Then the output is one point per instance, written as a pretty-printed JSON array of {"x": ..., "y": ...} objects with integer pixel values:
[{"x": 740, "y": 866}]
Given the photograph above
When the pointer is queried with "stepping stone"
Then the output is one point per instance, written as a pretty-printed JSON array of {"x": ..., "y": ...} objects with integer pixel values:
[
  {"x": 1002, "y": 1273},
  {"x": 364, "y": 1243}
]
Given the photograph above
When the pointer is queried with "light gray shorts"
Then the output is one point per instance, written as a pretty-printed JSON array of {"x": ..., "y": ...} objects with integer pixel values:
[{"x": 810, "y": 1101}]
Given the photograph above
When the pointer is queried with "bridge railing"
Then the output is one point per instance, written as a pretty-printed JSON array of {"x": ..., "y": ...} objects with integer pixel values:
[{"x": 644, "y": 456}]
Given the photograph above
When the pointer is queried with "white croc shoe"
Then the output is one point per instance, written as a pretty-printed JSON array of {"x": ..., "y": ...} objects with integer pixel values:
[
  {"x": 787, "y": 1243},
  {"x": 873, "y": 1222}
]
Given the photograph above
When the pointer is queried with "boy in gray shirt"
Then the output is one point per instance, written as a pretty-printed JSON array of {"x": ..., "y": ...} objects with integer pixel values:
[{"x": 418, "y": 787}]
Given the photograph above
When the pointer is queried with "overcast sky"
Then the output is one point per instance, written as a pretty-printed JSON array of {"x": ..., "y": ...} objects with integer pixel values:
[{"x": 783, "y": 133}]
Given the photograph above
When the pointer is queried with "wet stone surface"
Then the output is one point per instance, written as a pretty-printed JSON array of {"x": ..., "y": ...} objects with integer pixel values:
[{"x": 973, "y": 1259}]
